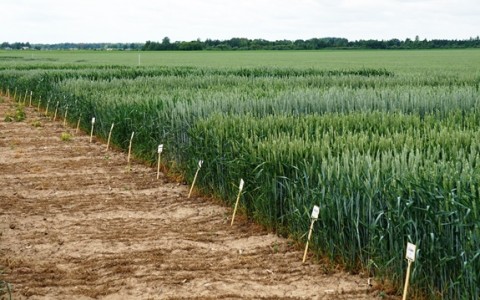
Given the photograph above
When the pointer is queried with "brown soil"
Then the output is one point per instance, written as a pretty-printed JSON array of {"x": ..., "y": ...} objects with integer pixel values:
[{"x": 76, "y": 224}]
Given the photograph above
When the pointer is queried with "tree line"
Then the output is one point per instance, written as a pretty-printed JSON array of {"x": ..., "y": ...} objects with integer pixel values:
[
  {"x": 310, "y": 44},
  {"x": 257, "y": 44},
  {"x": 72, "y": 46}
]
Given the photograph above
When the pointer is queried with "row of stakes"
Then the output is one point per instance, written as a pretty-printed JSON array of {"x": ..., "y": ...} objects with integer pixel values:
[
  {"x": 159, "y": 151},
  {"x": 160, "y": 147},
  {"x": 411, "y": 248}
]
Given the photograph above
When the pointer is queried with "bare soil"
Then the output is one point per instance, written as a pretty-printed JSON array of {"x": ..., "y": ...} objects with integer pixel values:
[{"x": 76, "y": 224}]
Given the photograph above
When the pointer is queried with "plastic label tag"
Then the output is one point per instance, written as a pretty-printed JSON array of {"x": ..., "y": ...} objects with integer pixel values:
[
  {"x": 315, "y": 212},
  {"x": 411, "y": 251}
]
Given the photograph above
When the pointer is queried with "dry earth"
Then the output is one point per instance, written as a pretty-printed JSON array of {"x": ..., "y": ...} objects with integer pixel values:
[{"x": 75, "y": 224}]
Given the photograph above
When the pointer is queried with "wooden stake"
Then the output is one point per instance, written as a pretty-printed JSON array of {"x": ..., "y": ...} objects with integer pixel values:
[
  {"x": 65, "y": 117},
  {"x": 15, "y": 94},
  {"x": 314, "y": 217},
  {"x": 56, "y": 110},
  {"x": 46, "y": 111},
  {"x": 8, "y": 92},
  {"x": 25, "y": 97},
  {"x": 39, "y": 102},
  {"x": 160, "y": 150},
  {"x": 110, "y": 136},
  {"x": 31, "y": 94},
  {"x": 405, "y": 289},
  {"x": 130, "y": 149},
  {"x": 410, "y": 255},
  {"x": 200, "y": 162},
  {"x": 308, "y": 240},
  {"x": 240, "y": 188},
  {"x": 78, "y": 123},
  {"x": 91, "y": 131}
]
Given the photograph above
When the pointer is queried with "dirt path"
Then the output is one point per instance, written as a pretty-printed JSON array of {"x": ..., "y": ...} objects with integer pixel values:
[{"x": 75, "y": 224}]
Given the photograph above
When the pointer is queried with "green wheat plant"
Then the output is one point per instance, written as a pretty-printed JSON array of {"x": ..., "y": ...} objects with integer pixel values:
[{"x": 389, "y": 156}]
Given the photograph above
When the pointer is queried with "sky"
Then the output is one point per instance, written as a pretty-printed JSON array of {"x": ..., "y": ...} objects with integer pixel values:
[{"x": 127, "y": 21}]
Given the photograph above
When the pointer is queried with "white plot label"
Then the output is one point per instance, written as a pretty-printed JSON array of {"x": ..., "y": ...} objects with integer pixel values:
[
  {"x": 160, "y": 148},
  {"x": 200, "y": 162},
  {"x": 411, "y": 250},
  {"x": 315, "y": 212},
  {"x": 93, "y": 120},
  {"x": 241, "y": 184}
]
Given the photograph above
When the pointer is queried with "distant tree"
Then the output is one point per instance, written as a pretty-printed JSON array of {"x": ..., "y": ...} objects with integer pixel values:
[
  {"x": 190, "y": 46},
  {"x": 223, "y": 46},
  {"x": 166, "y": 45},
  {"x": 393, "y": 44},
  {"x": 147, "y": 46}
]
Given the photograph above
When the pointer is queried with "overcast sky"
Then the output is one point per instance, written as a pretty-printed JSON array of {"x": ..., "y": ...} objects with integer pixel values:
[{"x": 55, "y": 21}]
